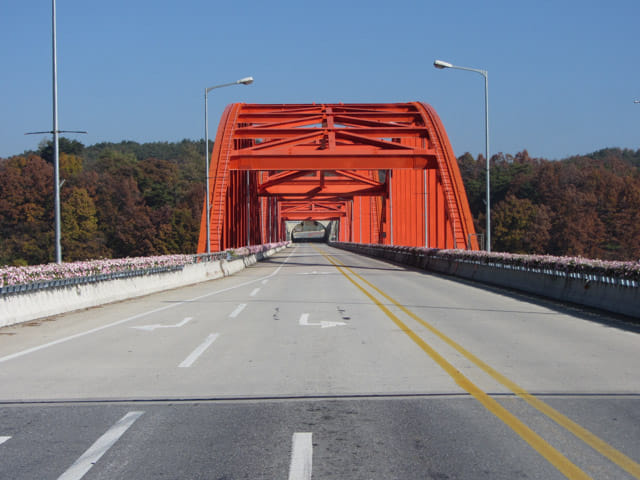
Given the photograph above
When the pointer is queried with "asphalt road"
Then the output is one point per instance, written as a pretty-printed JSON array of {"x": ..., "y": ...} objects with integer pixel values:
[{"x": 322, "y": 364}]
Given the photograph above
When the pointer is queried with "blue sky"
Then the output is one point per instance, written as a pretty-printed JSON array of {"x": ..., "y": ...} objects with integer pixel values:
[{"x": 562, "y": 74}]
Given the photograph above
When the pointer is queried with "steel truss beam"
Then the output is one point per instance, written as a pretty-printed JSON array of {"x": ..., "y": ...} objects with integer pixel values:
[{"x": 385, "y": 172}]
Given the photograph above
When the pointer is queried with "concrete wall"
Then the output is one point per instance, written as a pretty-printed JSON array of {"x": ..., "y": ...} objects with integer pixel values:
[
  {"x": 620, "y": 299},
  {"x": 22, "y": 307}
]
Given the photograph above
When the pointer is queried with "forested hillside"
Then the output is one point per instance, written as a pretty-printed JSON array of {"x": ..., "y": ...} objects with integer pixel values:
[
  {"x": 117, "y": 200},
  {"x": 130, "y": 199},
  {"x": 581, "y": 206}
]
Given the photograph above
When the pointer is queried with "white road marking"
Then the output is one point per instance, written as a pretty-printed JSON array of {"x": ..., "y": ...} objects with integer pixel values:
[
  {"x": 3, "y": 439},
  {"x": 301, "y": 456},
  {"x": 314, "y": 273},
  {"x": 254, "y": 292},
  {"x": 99, "y": 448},
  {"x": 237, "y": 311},
  {"x": 304, "y": 321},
  {"x": 140, "y": 315},
  {"x": 264, "y": 282},
  {"x": 151, "y": 328},
  {"x": 199, "y": 351}
]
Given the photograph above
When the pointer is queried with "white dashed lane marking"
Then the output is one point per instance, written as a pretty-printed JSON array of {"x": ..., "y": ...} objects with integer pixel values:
[
  {"x": 199, "y": 351},
  {"x": 237, "y": 311},
  {"x": 301, "y": 456},
  {"x": 100, "y": 447}
]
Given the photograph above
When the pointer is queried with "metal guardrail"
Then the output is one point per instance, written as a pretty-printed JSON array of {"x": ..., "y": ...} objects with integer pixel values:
[
  {"x": 70, "y": 282},
  {"x": 211, "y": 257},
  {"x": 587, "y": 277},
  {"x": 84, "y": 280},
  {"x": 589, "y": 287}
]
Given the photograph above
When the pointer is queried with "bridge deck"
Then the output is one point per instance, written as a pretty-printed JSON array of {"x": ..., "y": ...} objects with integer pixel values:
[{"x": 394, "y": 373}]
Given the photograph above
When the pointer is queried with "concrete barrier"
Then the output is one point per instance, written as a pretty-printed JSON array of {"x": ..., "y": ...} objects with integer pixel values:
[
  {"x": 609, "y": 297},
  {"x": 23, "y": 307}
]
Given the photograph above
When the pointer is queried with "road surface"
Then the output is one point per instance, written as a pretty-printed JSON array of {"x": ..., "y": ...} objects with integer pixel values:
[{"x": 323, "y": 364}]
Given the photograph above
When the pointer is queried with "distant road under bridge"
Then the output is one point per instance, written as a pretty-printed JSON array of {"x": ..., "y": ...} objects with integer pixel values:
[{"x": 381, "y": 173}]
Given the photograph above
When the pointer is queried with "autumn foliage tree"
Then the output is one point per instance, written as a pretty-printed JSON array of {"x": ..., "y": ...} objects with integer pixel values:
[
  {"x": 26, "y": 210},
  {"x": 126, "y": 199},
  {"x": 582, "y": 206},
  {"x": 113, "y": 202}
]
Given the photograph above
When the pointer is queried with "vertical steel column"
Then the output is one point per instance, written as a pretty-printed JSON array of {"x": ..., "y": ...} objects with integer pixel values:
[
  {"x": 426, "y": 209},
  {"x": 360, "y": 199},
  {"x": 248, "y": 212},
  {"x": 390, "y": 206},
  {"x": 270, "y": 227},
  {"x": 350, "y": 220}
]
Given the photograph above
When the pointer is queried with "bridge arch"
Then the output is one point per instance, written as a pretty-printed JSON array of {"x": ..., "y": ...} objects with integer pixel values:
[{"x": 384, "y": 172}]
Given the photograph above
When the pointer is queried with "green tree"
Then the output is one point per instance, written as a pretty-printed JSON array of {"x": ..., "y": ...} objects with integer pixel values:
[
  {"x": 81, "y": 238},
  {"x": 519, "y": 226},
  {"x": 158, "y": 181},
  {"x": 71, "y": 147}
]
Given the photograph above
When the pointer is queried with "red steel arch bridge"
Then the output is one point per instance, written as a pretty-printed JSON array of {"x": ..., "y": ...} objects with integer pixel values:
[{"x": 382, "y": 172}]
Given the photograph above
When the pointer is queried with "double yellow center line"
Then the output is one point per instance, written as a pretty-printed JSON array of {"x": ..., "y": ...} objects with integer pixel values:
[{"x": 553, "y": 456}]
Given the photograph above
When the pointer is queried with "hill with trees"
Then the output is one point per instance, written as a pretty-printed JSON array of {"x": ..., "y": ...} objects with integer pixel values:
[
  {"x": 582, "y": 206},
  {"x": 130, "y": 199},
  {"x": 117, "y": 200}
]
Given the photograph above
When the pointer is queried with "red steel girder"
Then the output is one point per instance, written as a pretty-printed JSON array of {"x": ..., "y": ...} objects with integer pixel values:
[
  {"x": 387, "y": 168},
  {"x": 315, "y": 210},
  {"x": 330, "y": 137},
  {"x": 320, "y": 183}
]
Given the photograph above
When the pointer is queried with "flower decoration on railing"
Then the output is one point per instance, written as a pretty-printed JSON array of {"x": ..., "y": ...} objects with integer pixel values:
[
  {"x": 10, "y": 276},
  {"x": 549, "y": 263}
]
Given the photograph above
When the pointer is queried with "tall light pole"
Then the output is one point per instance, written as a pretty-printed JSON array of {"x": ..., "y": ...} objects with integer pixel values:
[
  {"x": 56, "y": 152},
  {"x": 441, "y": 65},
  {"x": 242, "y": 81},
  {"x": 55, "y": 132}
]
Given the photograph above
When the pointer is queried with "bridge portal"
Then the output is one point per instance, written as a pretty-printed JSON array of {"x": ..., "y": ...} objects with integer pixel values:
[{"x": 381, "y": 173}]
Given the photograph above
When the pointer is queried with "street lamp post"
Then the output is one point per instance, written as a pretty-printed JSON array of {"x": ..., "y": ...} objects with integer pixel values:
[
  {"x": 56, "y": 154},
  {"x": 55, "y": 132},
  {"x": 441, "y": 65},
  {"x": 242, "y": 81}
]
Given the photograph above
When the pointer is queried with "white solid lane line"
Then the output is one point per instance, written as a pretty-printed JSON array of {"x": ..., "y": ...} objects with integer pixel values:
[
  {"x": 237, "y": 311},
  {"x": 140, "y": 315},
  {"x": 3, "y": 439},
  {"x": 301, "y": 456},
  {"x": 199, "y": 351},
  {"x": 254, "y": 292},
  {"x": 99, "y": 448}
]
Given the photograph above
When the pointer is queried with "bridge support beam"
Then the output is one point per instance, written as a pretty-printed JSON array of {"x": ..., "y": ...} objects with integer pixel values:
[{"x": 388, "y": 168}]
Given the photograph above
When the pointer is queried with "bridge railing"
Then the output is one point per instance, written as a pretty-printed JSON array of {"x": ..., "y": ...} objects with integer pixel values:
[
  {"x": 17, "y": 280},
  {"x": 610, "y": 286},
  {"x": 30, "y": 293}
]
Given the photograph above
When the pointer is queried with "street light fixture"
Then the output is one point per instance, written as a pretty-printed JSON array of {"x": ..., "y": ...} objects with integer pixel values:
[
  {"x": 55, "y": 132},
  {"x": 242, "y": 81},
  {"x": 442, "y": 65}
]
